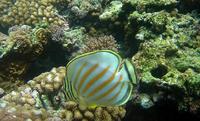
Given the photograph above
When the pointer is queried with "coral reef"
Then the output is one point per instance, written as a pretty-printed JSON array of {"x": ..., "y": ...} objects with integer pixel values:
[
  {"x": 71, "y": 39},
  {"x": 161, "y": 36},
  {"x": 168, "y": 54},
  {"x": 29, "y": 12},
  {"x": 150, "y": 3},
  {"x": 17, "y": 50},
  {"x": 76, "y": 41},
  {"x": 37, "y": 103}
]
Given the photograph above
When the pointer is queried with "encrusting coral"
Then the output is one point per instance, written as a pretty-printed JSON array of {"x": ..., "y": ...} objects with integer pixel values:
[
  {"x": 81, "y": 9},
  {"x": 35, "y": 103},
  {"x": 71, "y": 39},
  {"x": 17, "y": 50},
  {"x": 168, "y": 56},
  {"x": 29, "y": 12},
  {"x": 112, "y": 11},
  {"x": 151, "y": 3}
]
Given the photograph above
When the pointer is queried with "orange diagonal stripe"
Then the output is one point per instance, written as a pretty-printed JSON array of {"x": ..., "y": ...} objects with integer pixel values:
[
  {"x": 92, "y": 81},
  {"x": 79, "y": 72},
  {"x": 110, "y": 90},
  {"x": 101, "y": 86},
  {"x": 110, "y": 100},
  {"x": 86, "y": 74}
]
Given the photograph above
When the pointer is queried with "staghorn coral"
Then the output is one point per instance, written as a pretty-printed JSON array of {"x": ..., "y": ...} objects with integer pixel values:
[
  {"x": 29, "y": 12},
  {"x": 34, "y": 104},
  {"x": 22, "y": 46}
]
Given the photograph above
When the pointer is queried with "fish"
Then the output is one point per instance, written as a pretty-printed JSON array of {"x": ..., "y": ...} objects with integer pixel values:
[{"x": 99, "y": 78}]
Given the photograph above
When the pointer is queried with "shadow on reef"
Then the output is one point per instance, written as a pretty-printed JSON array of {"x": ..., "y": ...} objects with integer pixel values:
[
  {"x": 53, "y": 56},
  {"x": 165, "y": 110},
  {"x": 189, "y": 5}
]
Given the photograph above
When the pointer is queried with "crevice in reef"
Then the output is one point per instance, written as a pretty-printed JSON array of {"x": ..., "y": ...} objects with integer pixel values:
[
  {"x": 54, "y": 56},
  {"x": 159, "y": 71}
]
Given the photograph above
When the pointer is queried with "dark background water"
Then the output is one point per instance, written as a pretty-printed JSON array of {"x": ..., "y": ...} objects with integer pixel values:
[{"x": 165, "y": 111}]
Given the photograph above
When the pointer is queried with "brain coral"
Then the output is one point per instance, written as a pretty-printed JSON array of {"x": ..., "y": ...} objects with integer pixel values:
[{"x": 29, "y": 12}]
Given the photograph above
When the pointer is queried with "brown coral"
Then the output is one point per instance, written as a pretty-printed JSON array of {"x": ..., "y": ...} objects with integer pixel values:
[
  {"x": 22, "y": 46},
  {"x": 22, "y": 113},
  {"x": 102, "y": 42},
  {"x": 49, "y": 82},
  {"x": 29, "y": 12}
]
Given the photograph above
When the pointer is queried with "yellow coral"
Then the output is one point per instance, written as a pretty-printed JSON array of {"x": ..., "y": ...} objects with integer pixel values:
[
  {"x": 29, "y": 12},
  {"x": 49, "y": 82}
]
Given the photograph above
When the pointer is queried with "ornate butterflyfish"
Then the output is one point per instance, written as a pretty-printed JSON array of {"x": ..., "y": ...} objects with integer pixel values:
[{"x": 99, "y": 78}]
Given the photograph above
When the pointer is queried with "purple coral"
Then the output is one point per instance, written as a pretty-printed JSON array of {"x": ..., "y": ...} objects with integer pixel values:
[{"x": 57, "y": 32}]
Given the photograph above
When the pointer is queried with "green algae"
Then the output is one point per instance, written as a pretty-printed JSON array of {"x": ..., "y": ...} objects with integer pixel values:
[
  {"x": 151, "y": 3},
  {"x": 112, "y": 12}
]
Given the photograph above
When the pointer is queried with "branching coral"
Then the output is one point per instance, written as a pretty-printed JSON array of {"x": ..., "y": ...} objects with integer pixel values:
[
  {"x": 58, "y": 32},
  {"x": 102, "y": 42},
  {"x": 29, "y": 12},
  {"x": 35, "y": 103}
]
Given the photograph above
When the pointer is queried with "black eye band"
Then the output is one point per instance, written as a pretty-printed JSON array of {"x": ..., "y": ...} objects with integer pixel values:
[{"x": 129, "y": 74}]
